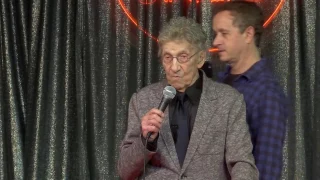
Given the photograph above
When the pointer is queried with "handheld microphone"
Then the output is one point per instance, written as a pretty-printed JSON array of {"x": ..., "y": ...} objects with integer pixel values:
[{"x": 169, "y": 93}]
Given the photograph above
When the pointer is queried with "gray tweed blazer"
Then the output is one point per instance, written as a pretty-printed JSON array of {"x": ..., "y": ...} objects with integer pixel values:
[{"x": 220, "y": 146}]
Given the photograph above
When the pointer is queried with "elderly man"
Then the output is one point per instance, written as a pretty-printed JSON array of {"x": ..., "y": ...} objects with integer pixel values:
[{"x": 202, "y": 135}]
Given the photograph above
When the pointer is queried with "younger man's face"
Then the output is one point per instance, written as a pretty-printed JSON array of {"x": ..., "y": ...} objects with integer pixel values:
[{"x": 228, "y": 38}]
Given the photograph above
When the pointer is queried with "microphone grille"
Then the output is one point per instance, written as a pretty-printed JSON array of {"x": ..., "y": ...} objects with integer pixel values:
[{"x": 169, "y": 92}]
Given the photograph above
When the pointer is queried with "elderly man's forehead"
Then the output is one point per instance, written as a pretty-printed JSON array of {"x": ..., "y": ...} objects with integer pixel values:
[{"x": 177, "y": 45}]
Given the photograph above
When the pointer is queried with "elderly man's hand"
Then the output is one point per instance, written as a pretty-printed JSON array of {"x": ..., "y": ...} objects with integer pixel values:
[{"x": 152, "y": 122}]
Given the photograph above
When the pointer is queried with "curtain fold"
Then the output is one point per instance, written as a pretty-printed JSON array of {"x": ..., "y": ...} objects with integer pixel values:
[
  {"x": 51, "y": 141},
  {"x": 316, "y": 118},
  {"x": 13, "y": 59},
  {"x": 69, "y": 67}
]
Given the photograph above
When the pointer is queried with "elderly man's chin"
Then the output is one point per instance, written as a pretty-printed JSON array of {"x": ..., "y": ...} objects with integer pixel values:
[{"x": 176, "y": 84}]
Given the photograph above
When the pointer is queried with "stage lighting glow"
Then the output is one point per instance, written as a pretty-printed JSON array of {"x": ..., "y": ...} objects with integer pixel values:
[{"x": 149, "y": 2}]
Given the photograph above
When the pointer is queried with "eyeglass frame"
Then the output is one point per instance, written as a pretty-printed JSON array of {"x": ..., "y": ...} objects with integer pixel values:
[{"x": 177, "y": 57}]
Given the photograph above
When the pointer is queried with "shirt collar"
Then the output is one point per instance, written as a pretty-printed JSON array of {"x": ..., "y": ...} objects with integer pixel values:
[
  {"x": 251, "y": 73},
  {"x": 194, "y": 91}
]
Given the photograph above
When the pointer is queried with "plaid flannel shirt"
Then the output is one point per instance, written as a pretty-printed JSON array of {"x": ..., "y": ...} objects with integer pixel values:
[{"x": 267, "y": 111}]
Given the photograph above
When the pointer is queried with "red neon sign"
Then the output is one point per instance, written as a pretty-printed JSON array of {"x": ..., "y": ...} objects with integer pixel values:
[{"x": 148, "y": 2}]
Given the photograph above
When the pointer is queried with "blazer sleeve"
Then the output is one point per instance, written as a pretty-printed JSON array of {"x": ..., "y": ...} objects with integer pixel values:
[
  {"x": 239, "y": 157},
  {"x": 132, "y": 149}
]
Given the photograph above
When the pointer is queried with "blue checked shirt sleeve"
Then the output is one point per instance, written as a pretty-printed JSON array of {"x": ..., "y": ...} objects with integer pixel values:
[{"x": 270, "y": 135}]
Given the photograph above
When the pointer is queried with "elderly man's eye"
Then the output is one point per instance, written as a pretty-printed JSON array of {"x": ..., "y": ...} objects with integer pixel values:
[{"x": 167, "y": 56}]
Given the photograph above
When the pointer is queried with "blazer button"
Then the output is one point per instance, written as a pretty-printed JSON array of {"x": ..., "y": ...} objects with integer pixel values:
[{"x": 183, "y": 176}]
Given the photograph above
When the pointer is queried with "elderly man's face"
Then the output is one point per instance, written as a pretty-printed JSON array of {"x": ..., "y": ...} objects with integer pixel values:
[{"x": 181, "y": 74}]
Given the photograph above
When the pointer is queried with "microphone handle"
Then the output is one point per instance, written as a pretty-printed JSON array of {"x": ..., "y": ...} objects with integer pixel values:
[
  {"x": 162, "y": 106},
  {"x": 149, "y": 135}
]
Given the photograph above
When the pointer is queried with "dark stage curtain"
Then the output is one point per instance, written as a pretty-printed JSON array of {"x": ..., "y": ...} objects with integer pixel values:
[{"x": 69, "y": 67}]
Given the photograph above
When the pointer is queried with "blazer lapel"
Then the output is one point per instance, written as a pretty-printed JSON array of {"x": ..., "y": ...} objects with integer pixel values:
[
  {"x": 165, "y": 131},
  {"x": 205, "y": 112},
  {"x": 168, "y": 140}
]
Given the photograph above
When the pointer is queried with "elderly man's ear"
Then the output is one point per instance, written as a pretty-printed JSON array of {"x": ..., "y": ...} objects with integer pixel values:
[{"x": 202, "y": 59}]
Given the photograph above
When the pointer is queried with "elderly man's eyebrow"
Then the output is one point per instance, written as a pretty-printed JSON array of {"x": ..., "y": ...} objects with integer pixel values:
[{"x": 180, "y": 52}]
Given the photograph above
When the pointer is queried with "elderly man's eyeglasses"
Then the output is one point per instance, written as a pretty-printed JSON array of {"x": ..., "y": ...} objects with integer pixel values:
[{"x": 183, "y": 58}]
